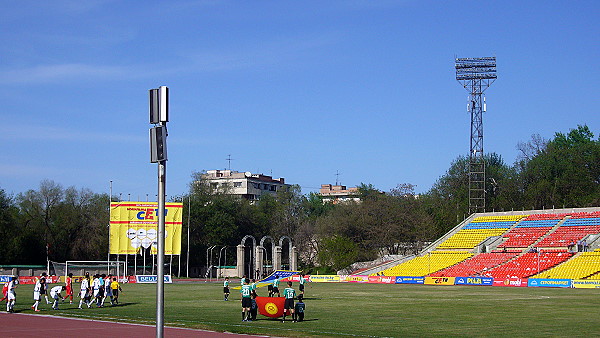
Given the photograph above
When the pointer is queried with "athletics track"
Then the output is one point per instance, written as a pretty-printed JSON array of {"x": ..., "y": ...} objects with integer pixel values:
[{"x": 30, "y": 325}]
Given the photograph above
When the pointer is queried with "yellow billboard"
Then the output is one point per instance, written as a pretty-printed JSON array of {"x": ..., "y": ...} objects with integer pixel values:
[
  {"x": 439, "y": 280},
  {"x": 586, "y": 283},
  {"x": 134, "y": 227}
]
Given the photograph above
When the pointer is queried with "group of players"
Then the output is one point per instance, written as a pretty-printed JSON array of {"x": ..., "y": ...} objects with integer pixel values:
[
  {"x": 98, "y": 289},
  {"x": 92, "y": 290},
  {"x": 248, "y": 298}
]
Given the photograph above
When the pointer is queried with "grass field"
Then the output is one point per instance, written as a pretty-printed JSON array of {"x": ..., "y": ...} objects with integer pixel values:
[{"x": 374, "y": 310}]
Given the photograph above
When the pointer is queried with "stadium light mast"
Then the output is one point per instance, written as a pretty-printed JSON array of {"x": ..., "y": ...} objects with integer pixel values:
[{"x": 476, "y": 75}]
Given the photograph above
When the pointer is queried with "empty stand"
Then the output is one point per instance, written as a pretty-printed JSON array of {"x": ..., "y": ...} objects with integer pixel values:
[
  {"x": 478, "y": 230},
  {"x": 529, "y": 264},
  {"x": 424, "y": 265},
  {"x": 530, "y": 229},
  {"x": 584, "y": 265},
  {"x": 572, "y": 230},
  {"x": 476, "y": 265}
]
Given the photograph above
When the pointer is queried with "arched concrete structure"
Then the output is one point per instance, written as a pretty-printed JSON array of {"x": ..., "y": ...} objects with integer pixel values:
[
  {"x": 261, "y": 255},
  {"x": 292, "y": 256},
  {"x": 241, "y": 257}
]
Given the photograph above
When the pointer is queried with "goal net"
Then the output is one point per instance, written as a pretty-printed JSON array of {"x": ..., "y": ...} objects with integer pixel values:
[{"x": 80, "y": 268}]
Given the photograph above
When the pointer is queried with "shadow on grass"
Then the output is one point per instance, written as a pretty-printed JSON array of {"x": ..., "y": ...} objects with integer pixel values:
[{"x": 279, "y": 320}]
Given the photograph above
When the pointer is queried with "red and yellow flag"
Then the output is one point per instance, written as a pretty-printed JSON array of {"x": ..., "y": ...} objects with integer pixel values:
[{"x": 270, "y": 306}]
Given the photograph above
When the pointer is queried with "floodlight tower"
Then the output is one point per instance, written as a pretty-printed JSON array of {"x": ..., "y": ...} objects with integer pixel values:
[{"x": 476, "y": 75}]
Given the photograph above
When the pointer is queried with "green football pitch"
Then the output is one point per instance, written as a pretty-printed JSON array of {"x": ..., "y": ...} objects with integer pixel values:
[{"x": 369, "y": 310}]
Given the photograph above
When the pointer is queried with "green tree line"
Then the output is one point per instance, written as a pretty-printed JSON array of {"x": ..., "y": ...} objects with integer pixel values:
[{"x": 70, "y": 224}]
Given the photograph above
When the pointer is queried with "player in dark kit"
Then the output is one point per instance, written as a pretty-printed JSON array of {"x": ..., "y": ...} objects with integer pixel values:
[
  {"x": 246, "y": 292},
  {"x": 289, "y": 293},
  {"x": 299, "y": 309},
  {"x": 226, "y": 289}
]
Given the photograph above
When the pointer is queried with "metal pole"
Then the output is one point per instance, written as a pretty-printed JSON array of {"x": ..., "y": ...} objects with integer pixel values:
[
  {"x": 219, "y": 270},
  {"x": 160, "y": 280},
  {"x": 109, "y": 208},
  {"x": 135, "y": 263},
  {"x": 187, "y": 264}
]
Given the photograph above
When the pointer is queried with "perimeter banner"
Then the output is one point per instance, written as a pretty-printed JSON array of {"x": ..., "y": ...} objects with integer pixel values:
[
  {"x": 134, "y": 225},
  {"x": 324, "y": 278},
  {"x": 439, "y": 280},
  {"x": 586, "y": 284},
  {"x": 549, "y": 283}
]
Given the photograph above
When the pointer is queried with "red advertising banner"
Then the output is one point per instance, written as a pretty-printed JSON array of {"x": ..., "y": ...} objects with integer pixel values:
[
  {"x": 382, "y": 279},
  {"x": 518, "y": 282},
  {"x": 270, "y": 306},
  {"x": 33, "y": 279}
]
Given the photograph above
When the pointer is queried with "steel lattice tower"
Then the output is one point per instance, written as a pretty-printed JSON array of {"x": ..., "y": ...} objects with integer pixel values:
[{"x": 476, "y": 75}]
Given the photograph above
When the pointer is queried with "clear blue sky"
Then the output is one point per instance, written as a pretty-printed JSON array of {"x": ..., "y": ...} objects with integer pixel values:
[{"x": 299, "y": 89}]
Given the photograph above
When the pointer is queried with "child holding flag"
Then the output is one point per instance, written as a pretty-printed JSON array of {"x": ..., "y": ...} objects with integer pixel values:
[
  {"x": 289, "y": 293},
  {"x": 299, "y": 308},
  {"x": 276, "y": 286},
  {"x": 302, "y": 281},
  {"x": 246, "y": 292}
]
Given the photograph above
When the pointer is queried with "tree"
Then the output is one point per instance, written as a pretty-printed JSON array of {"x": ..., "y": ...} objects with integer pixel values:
[
  {"x": 337, "y": 252},
  {"x": 565, "y": 173},
  {"x": 10, "y": 249}
]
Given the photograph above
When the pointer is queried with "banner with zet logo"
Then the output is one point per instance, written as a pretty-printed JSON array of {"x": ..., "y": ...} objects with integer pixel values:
[
  {"x": 439, "y": 280},
  {"x": 134, "y": 227}
]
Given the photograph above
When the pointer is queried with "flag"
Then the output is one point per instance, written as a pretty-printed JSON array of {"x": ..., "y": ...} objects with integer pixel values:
[{"x": 270, "y": 306}]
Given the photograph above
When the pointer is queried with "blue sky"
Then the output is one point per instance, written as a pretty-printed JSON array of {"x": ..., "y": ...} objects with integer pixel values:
[{"x": 296, "y": 89}]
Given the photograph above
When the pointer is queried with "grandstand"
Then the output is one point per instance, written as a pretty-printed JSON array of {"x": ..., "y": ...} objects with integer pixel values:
[
  {"x": 531, "y": 229},
  {"x": 479, "y": 229},
  {"x": 574, "y": 229},
  {"x": 427, "y": 264},
  {"x": 476, "y": 265},
  {"x": 585, "y": 265},
  {"x": 540, "y": 244}
]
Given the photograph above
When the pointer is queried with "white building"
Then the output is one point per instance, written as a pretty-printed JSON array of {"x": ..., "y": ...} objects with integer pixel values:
[
  {"x": 338, "y": 193},
  {"x": 246, "y": 185}
]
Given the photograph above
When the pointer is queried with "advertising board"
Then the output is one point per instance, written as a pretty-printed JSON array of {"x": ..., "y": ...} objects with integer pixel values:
[
  {"x": 474, "y": 281},
  {"x": 151, "y": 279},
  {"x": 549, "y": 283}
]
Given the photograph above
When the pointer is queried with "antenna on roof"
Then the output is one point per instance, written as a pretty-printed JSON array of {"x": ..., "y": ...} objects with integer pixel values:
[
  {"x": 229, "y": 161},
  {"x": 337, "y": 177}
]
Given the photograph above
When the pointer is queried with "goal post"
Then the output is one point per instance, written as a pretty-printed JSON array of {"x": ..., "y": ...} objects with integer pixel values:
[{"x": 115, "y": 268}]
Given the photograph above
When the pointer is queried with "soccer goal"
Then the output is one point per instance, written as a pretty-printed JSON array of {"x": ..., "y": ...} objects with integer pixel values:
[{"x": 79, "y": 268}]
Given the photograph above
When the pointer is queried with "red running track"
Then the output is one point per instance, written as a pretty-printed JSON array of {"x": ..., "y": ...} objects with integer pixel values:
[{"x": 29, "y": 325}]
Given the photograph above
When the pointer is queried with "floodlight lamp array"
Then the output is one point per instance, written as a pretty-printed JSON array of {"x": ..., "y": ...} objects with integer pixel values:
[{"x": 475, "y": 68}]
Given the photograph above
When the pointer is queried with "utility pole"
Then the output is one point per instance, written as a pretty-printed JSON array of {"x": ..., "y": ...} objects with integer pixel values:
[{"x": 159, "y": 116}]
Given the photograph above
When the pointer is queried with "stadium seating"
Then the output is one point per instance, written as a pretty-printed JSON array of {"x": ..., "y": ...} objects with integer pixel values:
[
  {"x": 572, "y": 230},
  {"x": 529, "y": 264},
  {"x": 584, "y": 265},
  {"x": 549, "y": 258},
  {"x": 424, "y": 265},
  {"x": 478, "y": 230},
  {"x": 476, "y": 265},
  {"x": 530, "y": 229}
]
